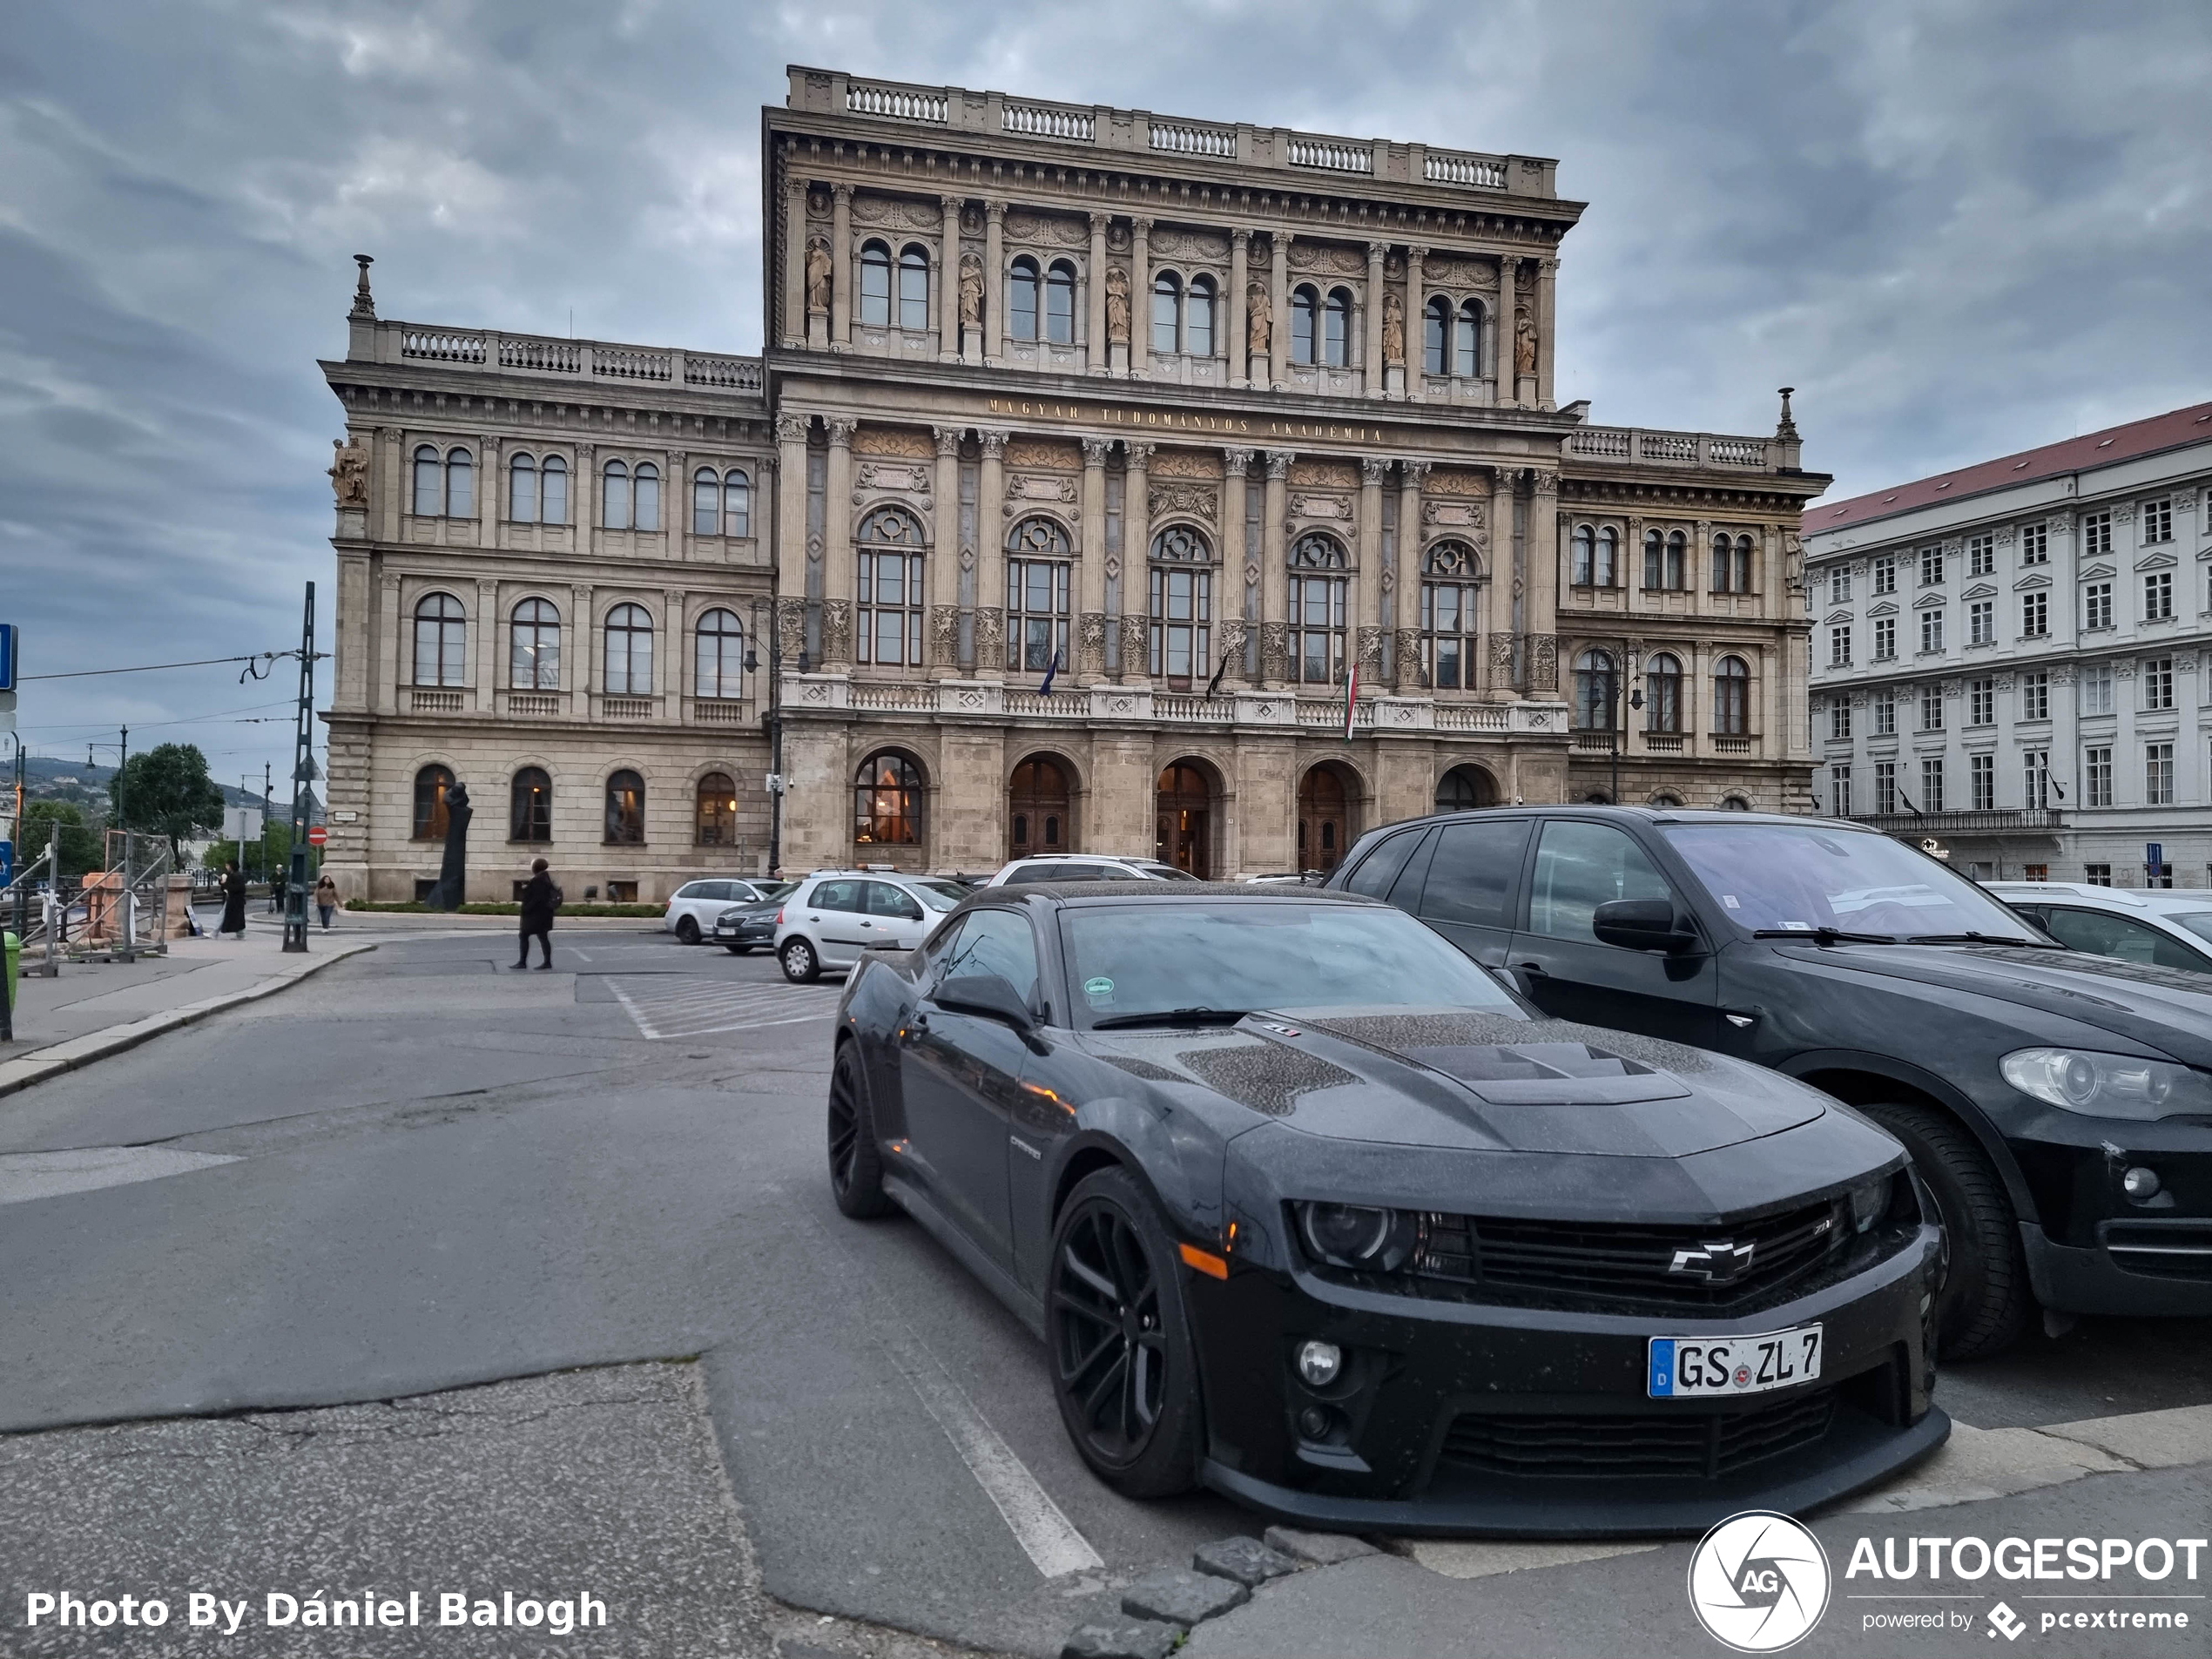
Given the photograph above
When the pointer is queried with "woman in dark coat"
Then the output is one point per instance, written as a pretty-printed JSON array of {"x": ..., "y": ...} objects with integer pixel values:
[
  {"x": 540, "y": 899},
  {"x": 234, "y": 902}
]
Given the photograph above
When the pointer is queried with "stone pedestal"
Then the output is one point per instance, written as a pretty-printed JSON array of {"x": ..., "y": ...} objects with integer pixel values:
[
  {"x": 1117, "y": 358},
  {"x": 352, "y": 523},
  {"x": 1395, "y": 381},
  {"x": 817, "y": 330},
  {"x": 971, "y": 345},
  {"x": 1525, "y": 392}
]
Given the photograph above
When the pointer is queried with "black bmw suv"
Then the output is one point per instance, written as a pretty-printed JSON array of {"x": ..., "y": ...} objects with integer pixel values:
[{"x": 2059, "y": 1104}]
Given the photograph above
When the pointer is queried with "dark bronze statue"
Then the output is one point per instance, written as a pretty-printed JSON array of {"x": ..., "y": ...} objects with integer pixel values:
[{"x": 454, "y": 872}]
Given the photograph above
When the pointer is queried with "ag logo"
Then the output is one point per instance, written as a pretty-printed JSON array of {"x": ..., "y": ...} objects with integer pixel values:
[{"x": 1758, "y": 1582}]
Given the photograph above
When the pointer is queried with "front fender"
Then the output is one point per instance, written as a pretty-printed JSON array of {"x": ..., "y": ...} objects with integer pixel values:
[{"x": 1173, "y": 1156}]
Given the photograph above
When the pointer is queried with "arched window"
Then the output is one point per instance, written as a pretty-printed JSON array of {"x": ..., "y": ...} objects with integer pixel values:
[
  {"x": 553, "y": 491},
  {"x": 1436, "y": 337},
  {"x": 1734, "y": 804},
  {"x": 521, "y": 490},
  {"x": 889, "y": 629},
  {"x": 737, "y": 504},
  {"x": 629, "y": 652},
  {"x": 626, "y": 809},
  {"x": 1198, "y": 332},
  {"x": 614, "y": 496},
  {"x": 1316, "y": 550},
  {"x": 1678, "y": 560},
  {"x": 1663, "y": 558},
  {"x": 1317, "y": 610},
  {"x": 875, "y": 285},
  {"x": 1666, "y": 801},
  {"x": 1167, "y": 305},
  {"x": 1450, "y": 642},
  {"x": 887, "y": 801},
  {"x": 1594, "y": 691},
  {"x": 715, "y": 816},
  {"x": 534, "y": 647},
  {"x": 1584, "y": 542},
  {"x": 1662, "y": 693},
  {"x": 461, "y": 484},
  {"x": 1467, "y": 341},
  {"x": 721, "y": 655},
  {"x": 1609, "y": 557},
  {"x": 529, "y": 806},
  {"x": 1038, "y": 577},
  {"x": 430, "y": 815},
  {"x": 1742, "y": 565},
  {"x": 913, "y": 287},
  {"x": 441, "y": 641},
  {"x": 430, "y": 482},
  {"x": 1724, "y": 564},
  {"x": 706, "y": 503},
  {"x": 1731, "y": 698},
  {"x": 648, "y": 487},
  {"x": 1021, "y": 299},
  {"x": 1182, "y": 601},
  {"x": 1337, "y": 334},
  {"x": 1305, "y": 324},
  {"x": 1464, "y": 788},
  {"x": 1060, "y": 304}
]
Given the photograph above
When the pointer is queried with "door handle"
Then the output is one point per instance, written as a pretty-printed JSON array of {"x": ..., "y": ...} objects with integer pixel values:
[
  {"x": 867, "y": 924},
  {"x": 1536, "y": 969}
]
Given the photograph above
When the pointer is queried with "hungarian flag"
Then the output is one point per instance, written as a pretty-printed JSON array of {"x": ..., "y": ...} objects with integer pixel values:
[{"x": 1351, "y": 697}]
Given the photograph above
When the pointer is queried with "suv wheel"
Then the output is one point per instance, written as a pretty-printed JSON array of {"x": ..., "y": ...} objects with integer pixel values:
[
  {"x": 856, "y": 1168},
  {"x": 687, "y": 931},
  {"x": 801, "y": 966},
  {"x": 1985, "y": 1301}
]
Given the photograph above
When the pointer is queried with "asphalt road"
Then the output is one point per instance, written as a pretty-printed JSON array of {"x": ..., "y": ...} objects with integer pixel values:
[{"x": 420, "y": 1172}]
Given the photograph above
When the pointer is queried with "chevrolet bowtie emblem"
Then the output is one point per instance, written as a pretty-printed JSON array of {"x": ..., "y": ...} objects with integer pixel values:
[{"x": 1717, "y": 1264}]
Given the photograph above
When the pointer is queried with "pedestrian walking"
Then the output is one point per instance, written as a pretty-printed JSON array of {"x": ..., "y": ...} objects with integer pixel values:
[
  {"x": 234, "y": 902},
  {"x": 327, "y": 901},
  {"x": 276, "y": 891},
  {"x": 540, "y": 899}
]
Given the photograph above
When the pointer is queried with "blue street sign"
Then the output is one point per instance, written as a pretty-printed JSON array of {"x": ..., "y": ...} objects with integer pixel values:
[
  {"x": 2155, "y": 857},
  {"x": 7, "y": 862},
  {"x": 7, "y": 657}
]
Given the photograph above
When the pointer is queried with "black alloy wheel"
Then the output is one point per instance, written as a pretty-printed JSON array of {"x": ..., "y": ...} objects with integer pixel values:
[
  {"x": 856, "y": 1167},
  {"x": 801, "y": 966},
  {"x": 738, "y": 950},
  {"x": 1124, "y": 1369},
  {"x": 687, "y": 930},
  {"x": 1985, "y": 1299}
]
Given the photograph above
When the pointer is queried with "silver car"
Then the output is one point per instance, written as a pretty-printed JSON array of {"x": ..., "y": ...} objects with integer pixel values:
[{"x": 835, "y": 915}]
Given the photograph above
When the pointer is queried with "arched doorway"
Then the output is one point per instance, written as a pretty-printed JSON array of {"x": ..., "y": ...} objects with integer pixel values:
[
  {"x": 1323, "y": 820},
  {"x": 1037, "y": 815},
  {"x": 1184, "y": 818},
  {"x": 1464, "y": 788}
]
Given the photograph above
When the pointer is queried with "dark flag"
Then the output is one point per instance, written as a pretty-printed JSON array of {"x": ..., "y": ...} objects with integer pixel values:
[
  {"x": 1214, "y": 684},
  {"x": 1050, "y": 669}
]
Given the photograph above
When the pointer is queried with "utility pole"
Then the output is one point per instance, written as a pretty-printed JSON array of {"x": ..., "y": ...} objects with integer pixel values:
[
  {"x": 122, "y": 817},
  {"x": 303, "y": 772},
  {"x": 266, "y": 782}
]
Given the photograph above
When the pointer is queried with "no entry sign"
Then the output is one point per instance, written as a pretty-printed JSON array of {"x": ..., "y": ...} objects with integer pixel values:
[{"x": 317, "y": 835}]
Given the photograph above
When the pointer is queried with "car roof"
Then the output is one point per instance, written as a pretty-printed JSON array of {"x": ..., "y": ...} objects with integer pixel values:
[
  {"x": 1164, "y": 892},
  {"x": 1643, "y": 814},
  {"x": 2165, "y": 901}
]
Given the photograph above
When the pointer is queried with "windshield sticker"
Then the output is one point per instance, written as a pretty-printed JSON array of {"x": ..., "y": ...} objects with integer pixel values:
[
  {"x": 1729, "y": 899},
  {"x": 1099, "y": 990}
]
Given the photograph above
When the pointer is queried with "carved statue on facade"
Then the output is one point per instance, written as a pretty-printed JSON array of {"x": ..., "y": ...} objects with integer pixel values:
[
  {"x": 818, "y": 276},
  {"x": 1393, "y": 328},
  {"x": 1117, "y": 306},
  {"x": 1260, "y": 319},
  {"x": 971, "y": 291},
  {"x": 349, "y": 471},
  {"x": 1524, "y": 341}
]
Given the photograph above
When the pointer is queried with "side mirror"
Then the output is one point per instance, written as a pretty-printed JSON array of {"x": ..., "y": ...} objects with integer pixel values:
[
  {"x": 988, "y": 994},
  {"x": 1642, "y": 924}
]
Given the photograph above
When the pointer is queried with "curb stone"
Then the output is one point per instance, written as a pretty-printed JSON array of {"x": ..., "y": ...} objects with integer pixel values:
[
  {"x": 1131, "y": 1639},
  {"x": 1179, "y": 1597},
  {"x": 1248, "y": 1561},
  {"x": 1161, "y": 1606},
  {"x": 1318, "y": 1548}
]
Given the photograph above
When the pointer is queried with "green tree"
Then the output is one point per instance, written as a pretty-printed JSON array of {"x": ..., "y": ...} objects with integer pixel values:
[
  {"x": 249, "y": 857},
  {"x": 166, "y": 791},
  {"x": 46, "y": 820}
]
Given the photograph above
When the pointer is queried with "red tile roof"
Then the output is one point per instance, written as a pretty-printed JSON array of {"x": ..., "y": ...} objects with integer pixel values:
[{"x": 2169, "y": 431}]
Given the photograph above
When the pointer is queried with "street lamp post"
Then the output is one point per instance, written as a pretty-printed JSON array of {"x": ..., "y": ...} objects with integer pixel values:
[
  {"x": 775, "y": 723},
  {"x": 1616, "y": 716}
]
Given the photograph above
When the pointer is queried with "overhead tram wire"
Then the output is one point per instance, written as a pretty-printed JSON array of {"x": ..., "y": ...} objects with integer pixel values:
[{"x": 265, "y": 658}]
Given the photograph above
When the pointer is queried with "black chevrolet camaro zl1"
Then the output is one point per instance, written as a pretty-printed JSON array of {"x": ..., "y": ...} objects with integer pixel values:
[{"x": 1310, "y": 1208}]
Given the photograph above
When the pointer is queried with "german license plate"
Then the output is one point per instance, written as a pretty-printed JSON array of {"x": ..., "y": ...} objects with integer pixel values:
[{"x": 1708, "y": 1367}]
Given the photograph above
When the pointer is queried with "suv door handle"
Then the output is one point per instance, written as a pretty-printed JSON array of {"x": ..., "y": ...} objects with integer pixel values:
[{"x": 1536, "y": 968}]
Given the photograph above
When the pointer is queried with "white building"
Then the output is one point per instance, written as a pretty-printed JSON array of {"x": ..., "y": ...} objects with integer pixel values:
[{"x": 2006, "y": 656}]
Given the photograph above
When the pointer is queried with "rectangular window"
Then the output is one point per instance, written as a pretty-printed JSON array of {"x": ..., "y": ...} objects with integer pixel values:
[
  {"x": 1981, "y": 782},
  {"x": 2095, "y": 689},
  {"x": 2035, "y": 779},
  {"x": 2158, "y": 521},
  {"x": 1932, "y": 707},
  {"x": 1885, "y": 574},
  {"x": 2097, "y": 875},
  {"x": 1885, "y": 638},
  {"x": 1839, "y": 646},
  {"x": 1981, "y": 623},
  {"x": 1981, "y": 554},
  {"x": 1982, "y": 702},
  {"x": 1885, "y": 788},
  {"x": 1932, "y": 630},
  {"x": 2035, "y": 544},
  {"x": 1931, "y": 783},
  {"x": 1317, "y": 628},
  {"x": 1885, "y": 714},
  {"x": 1839, "y": 585},
  {"x": 1448, "y": 637},
  {"x": 2096, "y": 605},
  {"x": 2035, "y": 615},
  {"x": 2096, "y": 776},
  {"x": 2158, "y": 774},
  {"x": 2035, "y": 696},
  {"x": 1839, "y": 720},
  {"x": 1182, "y": 624},
  {"x": 889, "y": 632},
  {"x": 2158, "y": 596},
  {"x": 1839, "y": 791},
  {"x": 2158, "y": 682},
  {"x": 1037, "y": 614},
  {"x": 1930, "y": 567},
  {"x": 2096, "y": 536}
]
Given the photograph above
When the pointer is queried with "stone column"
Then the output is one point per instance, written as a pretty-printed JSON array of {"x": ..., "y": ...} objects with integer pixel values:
[
  {"x": 990, "y": 559},
  {"x": 1091, "y": 605},
  {"x": 1096, "y": 355},
  {"x": 1406, "y": 590},
  {"x": 1371, "y": 347},
  {"x": 1545, "y": 309},
  {"x": 1137, "y": 553},
  {"x": 486, "y": 637},
  {"x": 1540, "y": 597},
  {"x": 837, "y": 573},
  {"x": 388, "y": 656},
  {"x": 795, "y": 330},
  {"x": 1370, "y": 620},
  {"x": 1140, "y": 300},
  {"x": 944, "y": 559},
  {"x": 676, "y": 505},
  {"x": 1239, "y": 251},
  {"x": 672, "y": 663},
  {"x": 993, "y": 280},
  {"x": 1230, "y": 625},
  {"x": 948, "y": 283},
  {"x": 1501, "y": 332},
  {"x": 1417, "y": 334},
  {"x": 576, "y": 654},
  {"x": 1278, "y": 331},
  {"x": 791, "y": 514},
  {"x": 843, "y": 272},
  {"x": 1274, "y": 570}
]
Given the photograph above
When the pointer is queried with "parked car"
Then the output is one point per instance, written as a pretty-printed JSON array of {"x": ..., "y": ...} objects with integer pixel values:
[
  {"x": 1431, "y": 1261},
  {"x": 693, "y": 907},
  {"x": 2058, "y": 1103},
  {"x": 834, "y": 915},
  {"x": 1084, "y": 866},
  {"x": 2160, "y": 927},
  {"x": 744, "y": 928}
]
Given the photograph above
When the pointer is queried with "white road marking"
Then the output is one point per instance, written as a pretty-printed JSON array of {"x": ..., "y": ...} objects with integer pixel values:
[
  {"x": 24, "y": 1176},
  {"x": 674, "y": 1005},
  {"x": 581, "y": 955}
]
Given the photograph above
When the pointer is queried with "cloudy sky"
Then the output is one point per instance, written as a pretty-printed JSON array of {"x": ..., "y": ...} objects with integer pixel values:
[{"x": 1959, "y": 227}]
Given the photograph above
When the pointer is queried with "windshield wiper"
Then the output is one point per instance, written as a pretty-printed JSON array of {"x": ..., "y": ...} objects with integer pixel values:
[
  {"x": 1981, "y": 938},
  {"x": 1172, "y": 1016},
  {"x": 1825, "y": 935}
]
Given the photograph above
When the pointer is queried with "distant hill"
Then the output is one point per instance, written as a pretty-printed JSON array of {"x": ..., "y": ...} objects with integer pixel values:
[{"x": 46, "y": 778}]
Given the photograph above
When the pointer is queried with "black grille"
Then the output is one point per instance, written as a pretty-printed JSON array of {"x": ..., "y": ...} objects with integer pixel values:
[
  {"x": 1619, "y": 1265},
  {"x": 2162, "y": 1250},
  {"x": 1698, "y": 1445}
]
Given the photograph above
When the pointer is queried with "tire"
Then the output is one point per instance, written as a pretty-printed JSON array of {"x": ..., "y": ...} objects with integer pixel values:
[
  {"x": 687, "y": 931},
  {"x": 1985, "y": 1299},
  {"x": 1124, "y": 1370},
  {"x": 856, "y": 1165},
  {"x": 801, "y": 965},
  {"x": 738, "y": 950}
]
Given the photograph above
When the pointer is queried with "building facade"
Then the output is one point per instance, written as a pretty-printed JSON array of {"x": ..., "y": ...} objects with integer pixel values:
[
  {"x": 1091, "y": 457},
  {"x": 2006, "y": 659}
]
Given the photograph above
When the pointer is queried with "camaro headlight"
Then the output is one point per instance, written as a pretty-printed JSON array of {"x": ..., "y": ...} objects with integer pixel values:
[
  {"x": 2107, "y": 1085},
  {"x": 1354, "y": 1236},
  {"x": 1867, "y": 1204}
]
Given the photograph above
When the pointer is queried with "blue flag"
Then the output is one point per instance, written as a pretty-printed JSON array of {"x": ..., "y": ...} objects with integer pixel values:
[{"x": 1051, "y": 669}]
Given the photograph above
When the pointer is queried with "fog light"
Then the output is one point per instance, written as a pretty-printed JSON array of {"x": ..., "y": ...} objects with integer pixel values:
[
  {"x": 1318, "y": 1363},
  {"x": 2138, "y": 1184},
  {"x": 1314, "y": 1423}
]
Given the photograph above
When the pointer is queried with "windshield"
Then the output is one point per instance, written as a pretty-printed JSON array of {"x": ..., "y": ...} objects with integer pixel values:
[
  {"x": 938, "y": 895},
  {"x": 2197, "y": 921},
  {"x": 1166, "y": 873},
  {"x": 1786, "y": 876},
  {"x": 1149, "y": 959}
]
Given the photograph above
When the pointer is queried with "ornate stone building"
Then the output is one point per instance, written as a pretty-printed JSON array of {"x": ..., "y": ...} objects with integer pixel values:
[{"x": 1105, "y": 447}]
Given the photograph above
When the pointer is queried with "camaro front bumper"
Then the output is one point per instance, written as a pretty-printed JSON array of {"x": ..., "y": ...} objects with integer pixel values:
[{"x": 1457, "y": 1417}]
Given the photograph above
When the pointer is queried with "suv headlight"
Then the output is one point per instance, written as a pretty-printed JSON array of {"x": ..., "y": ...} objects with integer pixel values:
[
  {"x": 1356, "y": 1236},
  {"x": 2107, "y": 1085}
]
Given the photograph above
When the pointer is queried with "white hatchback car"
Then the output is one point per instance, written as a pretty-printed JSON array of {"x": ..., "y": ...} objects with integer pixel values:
[
  {"x": 2164, "y": 926},
  {"x": 1085, "y": 867},
  {"x": 836, "y": 914},
  {"x": 693, "y": 907}
]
